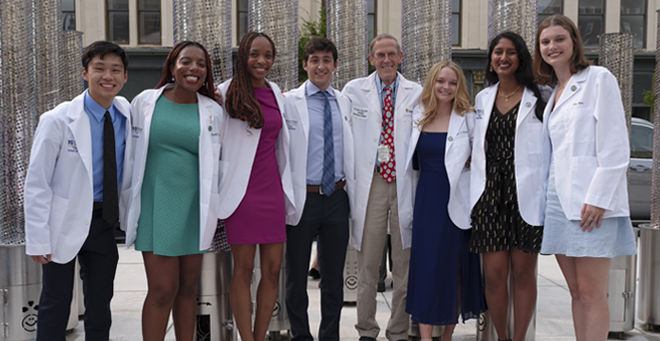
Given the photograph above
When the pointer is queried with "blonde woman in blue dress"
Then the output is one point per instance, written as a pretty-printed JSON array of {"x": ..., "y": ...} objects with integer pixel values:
[
  {"x": 586, "y": 156},
  {"x": 444, "y": 278}
]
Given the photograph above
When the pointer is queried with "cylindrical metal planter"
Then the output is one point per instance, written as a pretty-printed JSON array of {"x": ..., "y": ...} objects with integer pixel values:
[
  {"x": 649, "y": 275},
  {"x": 278, "y": 19},
  {"x": 425, "y": 36},
  {"x": 20, "y": 285},
  {"x": 350, "y": 275},
  {"x": 347, "y": 28},
  {"x": 214, "y": 315}
]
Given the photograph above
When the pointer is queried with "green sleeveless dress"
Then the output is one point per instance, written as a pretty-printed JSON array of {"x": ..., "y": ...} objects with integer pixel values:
[{"x": 169, "y": 217}]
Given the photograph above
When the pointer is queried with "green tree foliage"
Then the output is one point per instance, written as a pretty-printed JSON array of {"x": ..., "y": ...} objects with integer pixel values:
[{"x": 308, "y": 30}]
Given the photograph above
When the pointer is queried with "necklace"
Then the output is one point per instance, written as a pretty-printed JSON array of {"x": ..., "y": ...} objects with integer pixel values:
[{"x": 506, "y": 98}]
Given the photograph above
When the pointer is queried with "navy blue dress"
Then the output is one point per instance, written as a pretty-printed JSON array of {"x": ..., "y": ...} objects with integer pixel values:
[{"x": 439, "y": 247}]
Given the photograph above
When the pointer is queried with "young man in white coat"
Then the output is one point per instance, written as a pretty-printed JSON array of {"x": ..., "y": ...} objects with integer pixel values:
[
  {"x": 318, "y": 119},
  {"x": 71, "y": 194},
  {"x": 382, "y": 123}
]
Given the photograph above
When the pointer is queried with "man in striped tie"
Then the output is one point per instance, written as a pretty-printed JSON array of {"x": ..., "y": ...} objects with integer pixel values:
[{"x": 321, "y": 144}]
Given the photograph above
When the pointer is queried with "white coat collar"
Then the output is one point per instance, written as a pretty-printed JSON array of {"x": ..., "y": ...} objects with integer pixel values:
[
  {"x": 572, "y": 87},
  {"x": 527, "y": 104}
]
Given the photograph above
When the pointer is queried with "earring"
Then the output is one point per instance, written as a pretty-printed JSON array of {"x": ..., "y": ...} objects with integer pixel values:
[
  {"x": 491, "y": 68},
  {"x": 204, "y": 85},
  {"x": 173, "y": 76}
]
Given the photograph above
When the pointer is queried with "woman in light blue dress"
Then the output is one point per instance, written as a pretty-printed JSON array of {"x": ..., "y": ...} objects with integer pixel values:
[{"x": 586, "y": 155}]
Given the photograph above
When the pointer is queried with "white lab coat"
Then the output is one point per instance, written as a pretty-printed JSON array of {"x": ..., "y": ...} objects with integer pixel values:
[
  {"x": 367, "y": 117},
  {"x": 210, "y": 115},
  {"x": 59, "y": 188},
  {"x": 297, "y": 121},
  {"x": 239, "y": 147},
  {"x": 457, "y": 152},
  {"x": 530, "y": 182},
  {"x": 590, "y": 144}
]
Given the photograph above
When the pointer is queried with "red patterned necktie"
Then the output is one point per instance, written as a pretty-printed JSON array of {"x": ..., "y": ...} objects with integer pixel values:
[{"x": 387, "y": 170}]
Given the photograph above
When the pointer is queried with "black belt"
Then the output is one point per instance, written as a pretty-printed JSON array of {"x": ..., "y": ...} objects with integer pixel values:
[{"x": 319, "y": 189}]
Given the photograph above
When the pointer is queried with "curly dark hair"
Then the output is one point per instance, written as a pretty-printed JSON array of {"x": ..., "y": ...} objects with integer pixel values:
[{"x": 206, "y": 89}]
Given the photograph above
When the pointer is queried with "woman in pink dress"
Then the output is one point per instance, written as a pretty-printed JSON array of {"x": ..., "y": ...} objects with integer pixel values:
[{"x": 255, "y": 184}]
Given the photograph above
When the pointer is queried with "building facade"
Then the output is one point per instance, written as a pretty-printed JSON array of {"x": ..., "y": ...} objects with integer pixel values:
[{"x": 144, "y": 28}]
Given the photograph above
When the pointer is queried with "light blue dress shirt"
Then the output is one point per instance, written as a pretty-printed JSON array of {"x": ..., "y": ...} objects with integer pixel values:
[
  {"x": 95, "y": 112},
  {"x": 315, "y": 105}
]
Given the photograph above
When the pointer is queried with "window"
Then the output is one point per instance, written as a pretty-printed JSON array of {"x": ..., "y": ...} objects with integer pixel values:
[
  {"x": 149, "y": 21},
  {"x": 633, "y": 20},
  {"x": 68, "y": 15},
  {"x": 242, "y": 19},
  {"x": 456, "y": 22},
  {"x": 118, "y": 30},
  {"x": 548, "y": 8},
  {"x": 371, "y": 19},
  {"x": 591, "y": 21}
]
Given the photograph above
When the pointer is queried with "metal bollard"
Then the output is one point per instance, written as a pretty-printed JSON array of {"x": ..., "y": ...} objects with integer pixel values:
[
  {"x": 214, "y": 315},
  {"x": 649, "y": 275},
  {"x": 621, "y": 283},
  {"x": 486, "y": 329},
  {"x": 350, "y": 275},
  {"x": 20, "y": 285},
  {"x": 280, "y": 320}
]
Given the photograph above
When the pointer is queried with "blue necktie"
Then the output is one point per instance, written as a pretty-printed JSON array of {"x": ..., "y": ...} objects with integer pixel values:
[{"x": 328, "y": 182}]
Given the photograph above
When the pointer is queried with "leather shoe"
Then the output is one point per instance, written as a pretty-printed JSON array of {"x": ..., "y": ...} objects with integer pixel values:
[
  {"x": 381, "y": 287},
  {"x": 313, "y": 273}
]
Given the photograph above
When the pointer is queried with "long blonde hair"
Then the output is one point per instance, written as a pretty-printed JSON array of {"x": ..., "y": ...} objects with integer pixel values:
[{"x": 461, "y": 102}]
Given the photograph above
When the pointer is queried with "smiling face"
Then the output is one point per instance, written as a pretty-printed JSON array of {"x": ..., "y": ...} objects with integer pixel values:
[
  {"x": 504, "y": 59},
  {"x": 190, "y": 69},
  {"x": 105, "y": 78},
  {"x": 445, "y": 85},
  {"x": 386, "y": 58},
  {"x": 556, "y": 46},
  {"x": 260, "y": 60},
  {"x": 319, "y": 67}
]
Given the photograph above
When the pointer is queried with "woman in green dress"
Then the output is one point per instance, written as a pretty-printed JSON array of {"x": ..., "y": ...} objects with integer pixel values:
[{"x": 174, "y": 200}]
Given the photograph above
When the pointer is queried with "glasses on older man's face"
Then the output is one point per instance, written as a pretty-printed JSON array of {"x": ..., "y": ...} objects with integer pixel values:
[{"x": 381, "y": 55}]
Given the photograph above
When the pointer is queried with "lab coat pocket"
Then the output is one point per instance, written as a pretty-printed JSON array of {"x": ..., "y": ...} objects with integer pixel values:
[
  {"x": 125, "y": 203},
  {"x": 223, "y": 169},
  {"x": 58, "y": 212},
  {"x": 583, "y": 169}
]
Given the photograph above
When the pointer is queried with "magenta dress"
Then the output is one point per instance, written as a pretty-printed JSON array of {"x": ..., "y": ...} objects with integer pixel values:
[{"x": 260, "y": 217}]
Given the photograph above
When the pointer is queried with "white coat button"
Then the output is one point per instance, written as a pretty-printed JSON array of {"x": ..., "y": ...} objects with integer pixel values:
[
  {"x": 375, "y": 140},
  {"x": 450, "y": 139},
  {"x": 254, "y": 138},
  {"x": 408, "y": 211},
  {"x": 528, "y": 104},
  {"x": 249, "y": 162},
  {"x": 573, "y": 88},
  {"x": 243, "y": 184},
  {"x": 86, "y": 222}
]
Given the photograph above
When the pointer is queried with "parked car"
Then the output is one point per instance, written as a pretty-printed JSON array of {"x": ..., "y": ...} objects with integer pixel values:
[{"x": 641, "y": 169}]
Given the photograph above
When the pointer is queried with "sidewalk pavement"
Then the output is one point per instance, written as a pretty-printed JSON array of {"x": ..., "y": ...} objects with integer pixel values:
[{"x": 553, "y": 322}]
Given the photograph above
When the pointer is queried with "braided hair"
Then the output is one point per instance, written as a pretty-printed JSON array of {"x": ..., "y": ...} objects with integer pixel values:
[{"x": 241, "y": 102}]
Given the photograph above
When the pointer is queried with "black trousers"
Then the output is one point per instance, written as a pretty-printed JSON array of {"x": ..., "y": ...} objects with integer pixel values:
[
  {"x": 327, "y": 216},
  {"x": 98, "y": 259}
]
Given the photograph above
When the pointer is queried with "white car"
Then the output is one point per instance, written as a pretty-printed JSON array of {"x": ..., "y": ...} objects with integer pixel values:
[{"x": 640, "y": 171}]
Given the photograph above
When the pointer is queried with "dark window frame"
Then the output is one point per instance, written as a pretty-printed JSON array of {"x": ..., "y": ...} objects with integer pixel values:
[
  {"x": 108, "y": 11},
  {"x": 460, "y": 28},
  {"x": 66, "y": 13},
  {"x": 160, "y": 29},
  {"x": 593, "y": 15},
  {"x": 238, "y": 21},
  {"x": 645, "y": 19},
  {"x": 375, "y": 15},
  {"x": 545, "y": 15}
]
